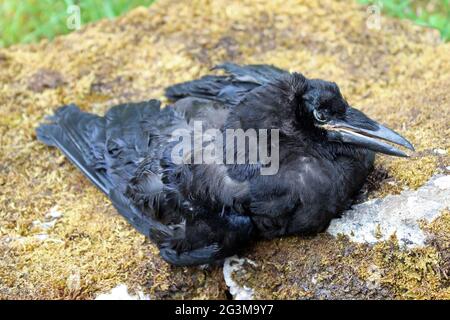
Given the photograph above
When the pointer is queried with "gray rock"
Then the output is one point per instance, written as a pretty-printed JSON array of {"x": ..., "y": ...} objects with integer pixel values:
[{"x": 378, "y": 219}]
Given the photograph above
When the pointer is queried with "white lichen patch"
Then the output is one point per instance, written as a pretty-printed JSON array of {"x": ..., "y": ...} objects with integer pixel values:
[
  {"x": 234, "y": 265},
  {"x": 40, "y": 230},
  {"x": 440, "y": 152},
  {"x": 443, "y": 182},
  {"x": 50, "y": 220},
  {"x": 379, "y": 219},
  {"x": 37, "y": 224},
  {"x": 121, "y": 293},
  {"x": 54, "y": 213}
]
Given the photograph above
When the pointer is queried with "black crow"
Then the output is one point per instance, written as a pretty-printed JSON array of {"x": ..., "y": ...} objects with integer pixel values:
[{"x": 199, "y": 213}]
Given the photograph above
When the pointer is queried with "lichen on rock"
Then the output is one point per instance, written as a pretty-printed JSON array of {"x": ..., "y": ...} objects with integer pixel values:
[
  {"x": 399, "y": 75},
  {"x": 399, "y": 215}
]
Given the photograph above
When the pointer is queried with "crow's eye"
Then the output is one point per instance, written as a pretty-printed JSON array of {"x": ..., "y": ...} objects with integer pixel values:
[{"x": 319, "y": 116}]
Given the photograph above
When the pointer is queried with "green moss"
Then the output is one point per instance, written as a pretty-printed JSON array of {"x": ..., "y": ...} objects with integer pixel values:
[{"x": 398, "y": 75}]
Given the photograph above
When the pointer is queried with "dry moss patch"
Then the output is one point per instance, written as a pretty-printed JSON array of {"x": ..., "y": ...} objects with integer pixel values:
[{"x": 399, "y": 75}]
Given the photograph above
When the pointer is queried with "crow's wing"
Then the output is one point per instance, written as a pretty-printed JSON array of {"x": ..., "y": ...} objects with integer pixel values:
[
  {"x": 228, "y": 89},
  {"x": 253, "y": 73},
  {"x": 120, "y": 153},
  {"x": 126, "y": 154},
  {"x": 81, "y": 137}
]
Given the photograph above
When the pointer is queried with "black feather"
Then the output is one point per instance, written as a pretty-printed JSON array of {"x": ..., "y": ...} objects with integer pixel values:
[{"x": 202, "y": 213}]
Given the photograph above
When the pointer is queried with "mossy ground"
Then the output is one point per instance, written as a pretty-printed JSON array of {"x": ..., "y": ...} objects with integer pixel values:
[{"x": 399, "y": 75}]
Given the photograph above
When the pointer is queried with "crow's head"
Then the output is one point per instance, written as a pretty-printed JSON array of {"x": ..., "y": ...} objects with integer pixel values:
[
  {"x": 313, "y": 108},
  {"x": 328, "y": 111}
]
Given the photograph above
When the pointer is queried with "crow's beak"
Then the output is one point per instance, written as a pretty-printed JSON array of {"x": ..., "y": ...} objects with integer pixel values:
[{"x": 359, "y": 130}]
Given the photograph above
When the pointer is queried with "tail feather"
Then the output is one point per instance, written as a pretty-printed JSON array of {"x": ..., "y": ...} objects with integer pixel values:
[
  {"x": 147, "y": 226},
  {"x": 103, "y": 147},
  {"x": 204, "y": 255},
  {"x": 69, "y": 131}
]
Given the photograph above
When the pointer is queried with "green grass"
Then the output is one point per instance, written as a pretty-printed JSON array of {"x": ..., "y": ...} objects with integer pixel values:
[
  {"x": 23, "y": 21},
  {"x": 432, "y": 13}
]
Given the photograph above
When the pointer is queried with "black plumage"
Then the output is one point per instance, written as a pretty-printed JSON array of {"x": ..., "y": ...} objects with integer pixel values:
[{"x": 202, "y": 213}]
